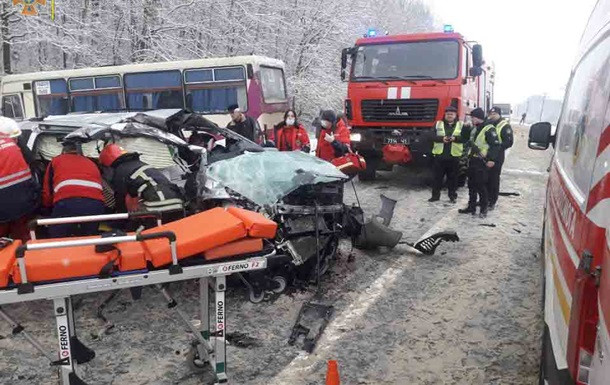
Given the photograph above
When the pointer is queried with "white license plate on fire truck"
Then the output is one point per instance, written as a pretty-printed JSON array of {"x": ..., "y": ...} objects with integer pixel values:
[{"x": 395, "y": 140}]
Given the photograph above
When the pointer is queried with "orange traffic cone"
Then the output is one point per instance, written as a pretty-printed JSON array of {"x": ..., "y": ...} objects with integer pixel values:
[{"x": 332, "y": 373}]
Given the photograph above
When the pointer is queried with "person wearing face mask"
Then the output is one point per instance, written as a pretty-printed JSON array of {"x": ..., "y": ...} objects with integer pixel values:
[
  {"x": 334, "y": 140},
  {"x": 244, "y": 125},
  {"x": 291, "y": 135}
]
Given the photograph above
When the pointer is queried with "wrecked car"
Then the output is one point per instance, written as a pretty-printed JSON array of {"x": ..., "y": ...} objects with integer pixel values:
[{"x": 217, "y": 167}]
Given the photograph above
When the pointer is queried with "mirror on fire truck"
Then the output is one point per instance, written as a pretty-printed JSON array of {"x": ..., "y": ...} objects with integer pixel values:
[
  {"x": 343, "y": 62},
  {"x": 477, "y": 55}
]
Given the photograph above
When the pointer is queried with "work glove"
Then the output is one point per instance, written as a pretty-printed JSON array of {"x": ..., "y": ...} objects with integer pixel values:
[{"x": 329, "y": 138}]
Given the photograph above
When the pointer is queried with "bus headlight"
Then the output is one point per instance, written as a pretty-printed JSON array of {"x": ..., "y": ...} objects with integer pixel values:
[{"x": 357, "y": 137}]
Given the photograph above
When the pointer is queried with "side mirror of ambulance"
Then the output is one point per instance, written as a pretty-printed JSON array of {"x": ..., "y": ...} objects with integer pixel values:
[{"x": 540, "y": 136}]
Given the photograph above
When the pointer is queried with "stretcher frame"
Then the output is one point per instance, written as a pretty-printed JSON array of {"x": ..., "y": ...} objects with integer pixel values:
[{"x": 209, "y": 275}]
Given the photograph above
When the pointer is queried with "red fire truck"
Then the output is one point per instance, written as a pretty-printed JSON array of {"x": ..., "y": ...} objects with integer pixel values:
[
  {"x": 576, "y": 236},
  {"x": 400, "y": 85}
]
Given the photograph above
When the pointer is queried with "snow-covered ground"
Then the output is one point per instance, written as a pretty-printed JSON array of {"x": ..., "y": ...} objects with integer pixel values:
[{"x": 471, "y": 314}]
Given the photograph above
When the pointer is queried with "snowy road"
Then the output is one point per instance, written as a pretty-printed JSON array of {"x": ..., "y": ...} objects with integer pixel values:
[{"x": 471, "y": 314}]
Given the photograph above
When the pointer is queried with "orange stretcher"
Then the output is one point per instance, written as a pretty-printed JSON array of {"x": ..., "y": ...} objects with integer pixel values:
[{"x": 207, "y": 246}]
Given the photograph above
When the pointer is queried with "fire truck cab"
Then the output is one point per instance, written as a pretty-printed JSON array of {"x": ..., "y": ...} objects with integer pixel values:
[
  {"x": 576, "y": 235},
  {"x": 400, "y": 85}
]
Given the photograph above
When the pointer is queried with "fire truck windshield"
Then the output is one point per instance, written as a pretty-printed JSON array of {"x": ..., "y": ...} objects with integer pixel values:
[{"x": 412, "y": 60}]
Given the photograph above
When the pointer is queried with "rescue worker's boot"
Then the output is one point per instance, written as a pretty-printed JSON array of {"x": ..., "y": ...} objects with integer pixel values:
[{"x": 468, "y": 210}]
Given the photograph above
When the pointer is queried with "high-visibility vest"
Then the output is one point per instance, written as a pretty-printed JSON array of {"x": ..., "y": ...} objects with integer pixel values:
[
  {"x": 499, "y": 126},
  {"x": 457, "y": 149},
  {"x": 481, "y": 141},
  {"x": 13, "y": 167},
  {"x": 71, "y": 176}
]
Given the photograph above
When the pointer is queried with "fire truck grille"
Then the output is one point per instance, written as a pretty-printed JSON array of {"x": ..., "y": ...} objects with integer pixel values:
[{"x": 399, "y": 110}]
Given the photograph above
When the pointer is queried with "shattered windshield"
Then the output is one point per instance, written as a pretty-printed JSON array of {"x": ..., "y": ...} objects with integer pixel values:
[{"x": 266, "y": 177}]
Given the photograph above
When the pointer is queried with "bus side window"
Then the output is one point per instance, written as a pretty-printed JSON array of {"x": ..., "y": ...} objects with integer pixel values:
[
  {"x": 51, "y": 97},
  {"x": 274, "y": 87},
  {"x": 152, "y": 90},
  {"x": 212, "y": 90},
  {"x": 11, "y": 107}
]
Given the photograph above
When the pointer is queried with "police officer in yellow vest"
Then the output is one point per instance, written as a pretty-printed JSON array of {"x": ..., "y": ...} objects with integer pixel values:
[
  {"x": 505, "y": 136},
  {"x": 447, "y": 149},
  {"x": 484, "y": 152}
]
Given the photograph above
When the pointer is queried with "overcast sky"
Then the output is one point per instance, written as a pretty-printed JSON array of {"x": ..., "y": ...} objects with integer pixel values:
[{"x": 533, "y": 43}]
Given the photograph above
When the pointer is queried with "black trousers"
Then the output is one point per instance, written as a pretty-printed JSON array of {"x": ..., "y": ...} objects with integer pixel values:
[
  {"x": 449, "y": 167},
  {"x": 493, "y": 183},
  {"x": 478, "y": 175}
]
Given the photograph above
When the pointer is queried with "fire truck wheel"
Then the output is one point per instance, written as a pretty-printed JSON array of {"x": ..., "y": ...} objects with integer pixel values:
[{"x": 369, "y": 174}]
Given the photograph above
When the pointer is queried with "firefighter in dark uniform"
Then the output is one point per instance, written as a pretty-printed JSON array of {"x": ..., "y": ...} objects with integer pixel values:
[
  {"x": 138, "y": 186},
  {"x": 484, "y": 152},
  {"x": 505, "y": 136},
  {"x": 447, "y": 150}
]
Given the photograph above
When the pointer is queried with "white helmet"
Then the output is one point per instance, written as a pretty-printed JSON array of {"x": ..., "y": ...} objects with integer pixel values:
[{"x": 8, "y": 127}]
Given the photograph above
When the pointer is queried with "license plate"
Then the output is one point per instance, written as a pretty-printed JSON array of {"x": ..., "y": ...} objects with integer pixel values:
[{"x": 395, "y": 140}]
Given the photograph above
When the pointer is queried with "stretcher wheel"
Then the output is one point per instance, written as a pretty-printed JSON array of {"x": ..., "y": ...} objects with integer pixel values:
[
  {"x": 256, "y": 298},
  {"x": 282, "y": 283},
  {"x": 195, "y": 363}
]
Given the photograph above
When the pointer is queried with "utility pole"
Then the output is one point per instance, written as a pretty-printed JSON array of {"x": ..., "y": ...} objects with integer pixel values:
[{"x": 542, "y": 107}]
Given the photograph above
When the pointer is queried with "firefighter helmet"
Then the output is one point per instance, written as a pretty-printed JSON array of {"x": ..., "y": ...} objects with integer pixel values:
[
  {"x": 110, "y": 153},
  {"x": 9, "y": 127}
]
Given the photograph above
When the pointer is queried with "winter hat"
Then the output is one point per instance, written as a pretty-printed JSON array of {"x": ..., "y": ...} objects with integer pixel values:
[
  {"x": 497, "y": 110},
  {"x": 329, "y": 115},
  {"x": 478, "y": 113},
  {"x": 451, "y": 109}
]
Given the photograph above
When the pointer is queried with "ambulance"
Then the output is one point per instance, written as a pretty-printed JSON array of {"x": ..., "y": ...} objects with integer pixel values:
[{"x": 576, "y": 231}]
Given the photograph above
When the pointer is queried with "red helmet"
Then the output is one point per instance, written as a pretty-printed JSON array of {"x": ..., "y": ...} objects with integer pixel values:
[{"x": 110, "y": 153}]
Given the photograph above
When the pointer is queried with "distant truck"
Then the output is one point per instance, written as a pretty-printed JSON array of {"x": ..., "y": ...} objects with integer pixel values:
[
  {"x": 399, "y": 85},
  {"x": 507, "y": 110}
]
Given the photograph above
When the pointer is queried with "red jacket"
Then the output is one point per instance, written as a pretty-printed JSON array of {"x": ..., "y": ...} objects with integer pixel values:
[
  {"x": 13, "y": 168},
  {"x": 71, "y": 176},
  {"x": 19, "y": 194},
  {"x": 329, "y": 151},
  {"x": 291, "y": 138}
]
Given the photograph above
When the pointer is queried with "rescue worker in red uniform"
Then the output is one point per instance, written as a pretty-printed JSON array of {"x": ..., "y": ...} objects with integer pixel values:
[
  {"x": 19, "y": 192},
  {"x": 138, "y": 186},
  {"x": 290, "y": 135},
  {"x": 334, "y": 140},
  {"x": 73, "y": 187}
]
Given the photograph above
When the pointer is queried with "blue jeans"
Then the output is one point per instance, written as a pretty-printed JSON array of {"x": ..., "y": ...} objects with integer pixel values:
[{"x": 73, "y": 207}]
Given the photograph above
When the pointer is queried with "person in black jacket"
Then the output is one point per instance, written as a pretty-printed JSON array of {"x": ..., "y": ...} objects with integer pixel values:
[
  {"x": 484, "y": 152},
  {"x": 505, "y": 135},
  {"x": 139, "y": 186},
  {"x": 244, "y": 125}
]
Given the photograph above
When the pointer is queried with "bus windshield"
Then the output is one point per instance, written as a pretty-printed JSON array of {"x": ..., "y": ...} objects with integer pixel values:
[{"x": 416, "y": 60}]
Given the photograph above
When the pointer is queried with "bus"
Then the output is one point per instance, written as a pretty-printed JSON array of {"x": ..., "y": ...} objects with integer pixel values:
[{"x": 208, "y": 86}]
